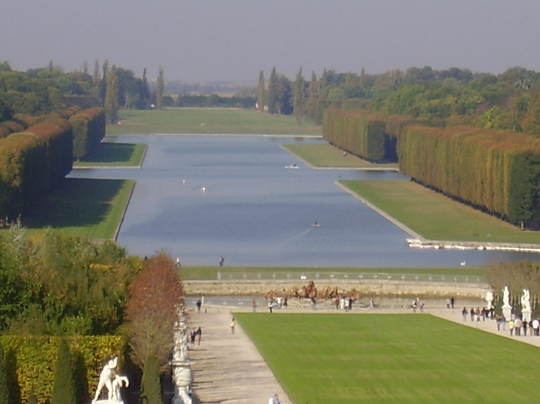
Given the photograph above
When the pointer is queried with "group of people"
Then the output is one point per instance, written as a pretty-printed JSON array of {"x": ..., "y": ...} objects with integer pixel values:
[
  {"x": 478, "y": 314},
  {"x": 345, "y": 303},
  {"x": 519, "y": 327},
  {"x": 196, "y": 334}
]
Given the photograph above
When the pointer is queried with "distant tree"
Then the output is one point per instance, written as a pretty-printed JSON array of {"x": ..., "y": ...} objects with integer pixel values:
[
  {"x": 299, "y": 97},
  {"x": 63, "y": 384},
  {"x": 103, "y": 85},
  {"x": 95, "y": 77},
  {"x": 111, "y": 96},
  {"x": 273, "y": 93},
  {"x": 160, "y": 86},
  {"x": 284, "y": 101},
  {"x": 155, "y": 298},
  {"x": 261, "y": 92}
]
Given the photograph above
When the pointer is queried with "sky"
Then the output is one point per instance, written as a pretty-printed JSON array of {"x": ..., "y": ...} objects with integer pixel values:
[{"x": 233, "y": 40}]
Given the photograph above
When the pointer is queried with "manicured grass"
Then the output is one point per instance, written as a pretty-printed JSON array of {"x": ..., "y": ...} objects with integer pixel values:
[
  {"x": 114, "y": 155},
  {"x": 435, "y": 216},
  {"x": 91, "y": 208},
  {"x": 372, "y": 358},
  {"x": 251, "y": 273},
  {"x": 324, "y": 155},
  {"x": 209, "y": 120}
]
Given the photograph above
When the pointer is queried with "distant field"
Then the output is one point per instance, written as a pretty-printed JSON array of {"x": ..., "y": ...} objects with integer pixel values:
[
  {"x": 209, "y": 120},
  {"x": 435, "y": 216},
  {"x": 91, "y": 208},
  {"x": 391, "y": 358},
  {"x": 114, "y": 155},
  {"x": 324, "y": 155}
]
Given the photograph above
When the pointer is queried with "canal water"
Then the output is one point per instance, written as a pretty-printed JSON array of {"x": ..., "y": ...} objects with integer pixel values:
[{"x": 203, "y": 197}]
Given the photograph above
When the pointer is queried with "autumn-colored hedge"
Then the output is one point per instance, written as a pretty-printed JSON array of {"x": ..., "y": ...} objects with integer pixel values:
[
  {"x": 359, "y": 132},
  {"x": 88, "y": 130},
  {"x": 494, "y": 170},
  {"x": 22, "y": 175},
  {"x": 32, "y": 359},
  {"x": 58, "y": 138}
]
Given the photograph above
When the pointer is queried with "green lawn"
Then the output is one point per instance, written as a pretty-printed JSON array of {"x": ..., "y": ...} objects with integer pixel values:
[
  {"x": 324, "y": 155},
  {"x": 91, "y": 208},
  {"x": 252, "y": 273},
  {"x": 209, "y": 120},
  {"x": 114, "y": 155},
  {"x": 370, "y": 358},
  {"x": 435, "y": 216}
]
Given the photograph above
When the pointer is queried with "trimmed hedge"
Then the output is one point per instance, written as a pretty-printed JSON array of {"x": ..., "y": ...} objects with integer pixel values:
[
  {"x": 496, "y": 171},
  {"x": 22, "y": 175},
  {"x": 88, "y": 130},
  {"x": 359, "y": 132},
  {"x": 35, "y": 359}
]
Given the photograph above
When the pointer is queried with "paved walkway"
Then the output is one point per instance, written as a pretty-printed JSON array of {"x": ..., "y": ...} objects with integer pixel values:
[{"x": 229, "y": 369}]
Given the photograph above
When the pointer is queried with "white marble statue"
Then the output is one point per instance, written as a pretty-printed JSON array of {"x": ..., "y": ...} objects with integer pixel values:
[
  {"x": 489, "y": 299},
  {"x": 506, "y": 297},
  {"x": 525, "y": 301},
  {"x": 114, "y": 382}
]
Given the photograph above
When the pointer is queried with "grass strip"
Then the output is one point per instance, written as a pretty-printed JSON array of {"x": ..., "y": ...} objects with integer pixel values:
[
  {"x": 114, "y": 155},
  {"x": 324, "y": 155},
  {"x": 251, "y": 273},
  {"x": 209, "y": 121},
  {"x": 435, "y": 216},
  {"x": 91, "y": 208},
  {"x": 401, "y": 358}
]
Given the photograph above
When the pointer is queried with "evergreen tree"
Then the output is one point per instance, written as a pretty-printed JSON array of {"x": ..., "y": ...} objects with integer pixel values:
[
  {"x": 273, "y": 93},
  {"x": 150, "y": 382},
  {"x": 4, "y": 386},
  {"x": 298, "y": 97},
  {"x": 145, "y": 90},
  {"x": 261, "y": 92},
  {"x": 111, "y": 96},
  {"x": 160, "y": 86},
  {"x": 95, "y": 77},
  {"x": 63, "y": 384},
  {"x": 103, "y": 84}
]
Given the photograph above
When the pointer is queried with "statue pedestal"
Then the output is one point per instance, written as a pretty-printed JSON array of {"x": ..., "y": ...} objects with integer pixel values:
[
  {"x": 507, "y": 311},
  {"x": 526, "y": 314}
]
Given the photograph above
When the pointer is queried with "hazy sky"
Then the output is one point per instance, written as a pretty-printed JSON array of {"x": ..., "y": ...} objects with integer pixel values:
[{"x": 234, "y": 40}]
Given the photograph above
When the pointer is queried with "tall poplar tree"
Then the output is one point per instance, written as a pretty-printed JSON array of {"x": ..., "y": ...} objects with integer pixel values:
[
  {"x": 299, "y": 98},
  {"x": 261, "y": 92},
  {"x": 160, "y": 86},
  {"x": 111, "y": 96},
  {"x": 273, "y": 92}
]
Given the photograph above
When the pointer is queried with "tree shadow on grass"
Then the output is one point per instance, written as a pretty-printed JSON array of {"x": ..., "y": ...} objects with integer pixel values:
[
  {"x": 107, "y": 153},
  {"x": 78, "y": 202}
]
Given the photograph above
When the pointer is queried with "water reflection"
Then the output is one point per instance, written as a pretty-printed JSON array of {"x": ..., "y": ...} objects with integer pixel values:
[{"x": 202, "y": 197}]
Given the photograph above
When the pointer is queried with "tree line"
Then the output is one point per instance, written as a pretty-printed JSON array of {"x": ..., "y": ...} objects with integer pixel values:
[{"x": 509, "y": 101}]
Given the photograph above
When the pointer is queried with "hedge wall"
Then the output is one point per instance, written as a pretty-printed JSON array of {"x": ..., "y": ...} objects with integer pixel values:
[
  {"x": 359, "y": 132},
  {"x": 31, "y": 360},
  {"x": 496, "y": 171},
  {"x": 22, "y": 177},
  {"x": 58, "y": 138},
  {"x": 88, "y": 130}
]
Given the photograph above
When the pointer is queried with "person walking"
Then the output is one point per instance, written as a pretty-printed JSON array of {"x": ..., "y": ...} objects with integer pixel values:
[
  {"x": 221, "y": 261},
  {"x": 464, "y": 313},
  {"x": 233, "y": 325},
  {"x": 254, "y": 305},
  {"x": 199, "y": 335}
]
